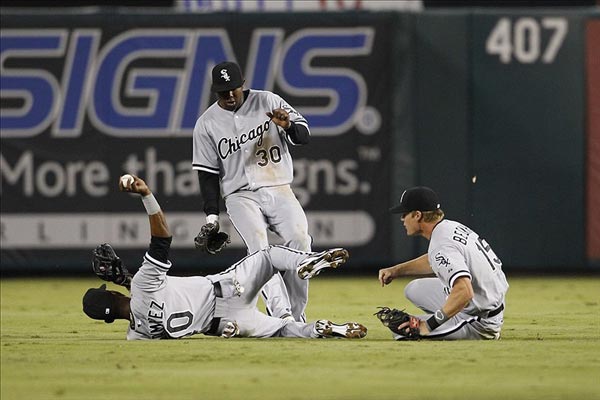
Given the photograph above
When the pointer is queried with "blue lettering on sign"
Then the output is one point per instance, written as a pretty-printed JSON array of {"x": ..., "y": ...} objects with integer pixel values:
[
  {"x": 156, "y": 82},
  {"x": 212, "y": 47},
  {"x": 36, "y": 89},
  {"x": 156, "y": 86},
  {"x": 262, "y": 59},
  {"x": 80, "y": 57},
  {"x": 345, "y": 88}
]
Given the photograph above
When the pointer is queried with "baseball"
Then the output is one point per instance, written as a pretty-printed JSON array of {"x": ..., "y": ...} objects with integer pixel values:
[{"x": 126, "y": 180}]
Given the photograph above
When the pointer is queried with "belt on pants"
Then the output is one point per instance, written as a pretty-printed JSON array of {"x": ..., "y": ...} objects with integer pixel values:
[
  {"x": 496, "y": 311},
  {"x": 214, "y": 324}
]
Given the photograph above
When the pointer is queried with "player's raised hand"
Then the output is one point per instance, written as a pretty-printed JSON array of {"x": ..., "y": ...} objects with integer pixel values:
[
  {"x": 280, "y": 117},
  {"x": 133, "y": 184}
]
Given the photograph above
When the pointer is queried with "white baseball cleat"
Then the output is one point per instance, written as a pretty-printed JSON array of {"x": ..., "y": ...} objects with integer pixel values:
[
  {"x": 349, "y": 330},
  {"x": 313, "y": 265}
]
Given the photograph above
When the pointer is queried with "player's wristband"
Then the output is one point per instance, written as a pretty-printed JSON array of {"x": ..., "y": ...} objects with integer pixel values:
[
  {"x": 151, "y": 205},
  {"x": 437, "y": 319},
  {"x": 212, "y": 218}
]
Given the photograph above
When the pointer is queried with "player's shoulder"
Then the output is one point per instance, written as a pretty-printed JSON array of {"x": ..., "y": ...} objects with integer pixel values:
[
  {"x": 443, "y": 231},
  {"x": 445, "y": 225},
  {"x": 210, "y": 114},
  {"x": 259, "y": 92},
  {"x": 262, "y": 95},
  {"x": 210, "y": 111}
]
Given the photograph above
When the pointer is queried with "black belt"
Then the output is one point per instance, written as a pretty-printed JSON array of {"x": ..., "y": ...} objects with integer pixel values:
[
  {"x": 214, "y": 324},
  {"x": 496, "y": 311}
]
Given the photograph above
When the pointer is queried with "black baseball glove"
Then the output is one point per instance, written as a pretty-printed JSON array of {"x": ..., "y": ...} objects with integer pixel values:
[
  {"x": 210, "y": 240},
  {"x": 400, "y": 322},
  {"x": 109, "y": 267}
]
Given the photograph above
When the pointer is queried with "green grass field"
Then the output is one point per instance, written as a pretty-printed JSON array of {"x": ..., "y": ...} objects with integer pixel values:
[{"x": 550, "y": 349}]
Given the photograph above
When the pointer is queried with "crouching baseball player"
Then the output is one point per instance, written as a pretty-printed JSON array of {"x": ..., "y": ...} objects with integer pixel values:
[
  {"x": 224, "y": 304},
  {"x": 466, "y": 298}
]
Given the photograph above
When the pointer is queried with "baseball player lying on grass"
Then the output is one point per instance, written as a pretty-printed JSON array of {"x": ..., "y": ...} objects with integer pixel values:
[
  {"x": 466, "y": 298},
  {"x": 224, "y": 304}
]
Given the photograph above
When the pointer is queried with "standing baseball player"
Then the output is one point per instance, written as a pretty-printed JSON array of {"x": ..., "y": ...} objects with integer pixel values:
[
  {"x": 466, "y": 298},
  {"x": 168, "y": 307},
  {"x": 241, "y": 149}
]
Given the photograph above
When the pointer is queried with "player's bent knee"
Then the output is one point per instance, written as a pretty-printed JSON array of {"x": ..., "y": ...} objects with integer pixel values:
[{"x": 412, "y": 290}]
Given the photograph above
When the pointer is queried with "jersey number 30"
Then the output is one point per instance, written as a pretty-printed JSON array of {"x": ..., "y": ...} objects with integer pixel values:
[{"x": 273, "y": 154}]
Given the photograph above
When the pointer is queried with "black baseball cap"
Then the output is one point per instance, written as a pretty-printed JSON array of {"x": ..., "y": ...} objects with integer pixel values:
[
  {"x": 418, "y": 198},
  {"x": 100, "y": 304},
  {"x": 226, "y": 76}
]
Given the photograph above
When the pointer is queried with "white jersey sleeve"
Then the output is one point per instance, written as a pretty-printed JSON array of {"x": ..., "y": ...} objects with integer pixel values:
[
  {"x": 457, "y": 251},
  {"x": 205, "y": 156}
]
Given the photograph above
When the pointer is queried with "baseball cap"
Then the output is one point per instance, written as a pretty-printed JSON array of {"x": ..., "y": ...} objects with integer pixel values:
[
  {"x": 418, "y": 198},
  {"x": 100, "y": 304},
  {"x": 226, "y": 76}
]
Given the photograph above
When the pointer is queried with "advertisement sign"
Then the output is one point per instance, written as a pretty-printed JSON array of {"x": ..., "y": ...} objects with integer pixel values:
[{"x": 87, "y": 98}]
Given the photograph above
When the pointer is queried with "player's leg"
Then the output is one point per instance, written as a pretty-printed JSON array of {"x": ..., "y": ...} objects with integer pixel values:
[
  {"x": 244, "y": 210},
  {"x": 323, "y": 329},
  {"x": 253, "y": 271},
  {"x": 305, "y": 265},
  {"x": 429, "y": 295},
  {"x": 287, "y": 219},
  {"x": 253, "y": 323}
]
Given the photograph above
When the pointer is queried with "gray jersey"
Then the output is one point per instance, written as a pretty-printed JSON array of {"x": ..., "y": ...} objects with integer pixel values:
[
  {"x": 244, "y": 147},
  {"x": 456, "y": 251},
  {"x": 164, "y": 307},
  {"x": 168, "y": 306}
]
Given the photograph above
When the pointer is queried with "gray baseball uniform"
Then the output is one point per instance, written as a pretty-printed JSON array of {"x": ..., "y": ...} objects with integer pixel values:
[
  {"x": 165, "y": 307},
  {"x": 250, "y": 154},
  {"x": 456, "y": 251}
]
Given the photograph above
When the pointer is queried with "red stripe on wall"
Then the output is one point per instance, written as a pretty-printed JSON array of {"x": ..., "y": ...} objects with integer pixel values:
[{"x": 593, "y": 136}]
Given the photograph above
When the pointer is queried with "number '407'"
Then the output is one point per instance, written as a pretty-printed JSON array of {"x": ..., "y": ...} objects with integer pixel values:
[{"x": 521, "y": 39}]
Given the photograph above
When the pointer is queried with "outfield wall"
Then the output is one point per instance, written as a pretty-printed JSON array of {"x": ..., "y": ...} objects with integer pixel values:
[{"x": 490, "y": 108}]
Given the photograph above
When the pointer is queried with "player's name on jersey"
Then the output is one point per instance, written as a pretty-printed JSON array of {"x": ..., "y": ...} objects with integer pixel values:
[{"x": 82, "y": 230}]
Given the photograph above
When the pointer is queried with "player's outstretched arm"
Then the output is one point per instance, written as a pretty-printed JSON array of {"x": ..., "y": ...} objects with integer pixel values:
[
  {"x": 416, "y": 266},
  {"x": 158, "y": 222}
]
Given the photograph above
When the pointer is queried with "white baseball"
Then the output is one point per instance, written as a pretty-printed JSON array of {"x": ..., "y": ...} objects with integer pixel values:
[{"x": 126, "y": 180}]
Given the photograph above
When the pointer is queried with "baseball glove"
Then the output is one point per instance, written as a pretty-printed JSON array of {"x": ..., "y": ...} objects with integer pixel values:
[
  {"x": 210, "y": 240},
  {"x": 400, "y": 322},
  {"x": 109, "y": 267}
]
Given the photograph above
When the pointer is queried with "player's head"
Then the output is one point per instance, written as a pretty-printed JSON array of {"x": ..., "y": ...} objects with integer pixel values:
[
  {"x": 228, "y": 83},
  {"x": 417, "y": 205},
  {"x": 105, "y": 305}
]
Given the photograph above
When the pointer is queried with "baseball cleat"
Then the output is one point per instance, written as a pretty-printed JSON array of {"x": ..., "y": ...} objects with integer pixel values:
[
  {"x": 349, "y": 330},
  {"x": 313, "y": 265}
]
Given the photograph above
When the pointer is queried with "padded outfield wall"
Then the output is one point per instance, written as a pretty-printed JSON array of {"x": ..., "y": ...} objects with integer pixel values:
[{"x": 488, "y": 108}]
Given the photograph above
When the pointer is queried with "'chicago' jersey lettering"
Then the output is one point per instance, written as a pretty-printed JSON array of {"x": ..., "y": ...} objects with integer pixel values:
[
  {"x": 228, "y": 146},
  {"x": 246, "y": 149}
]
